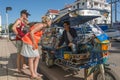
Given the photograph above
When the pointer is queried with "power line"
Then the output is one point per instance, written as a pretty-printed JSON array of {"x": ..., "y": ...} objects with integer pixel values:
[{"x": 115, "y": 10}]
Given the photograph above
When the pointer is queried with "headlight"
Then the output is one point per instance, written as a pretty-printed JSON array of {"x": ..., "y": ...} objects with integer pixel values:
[{"x": 104, "y": 47}]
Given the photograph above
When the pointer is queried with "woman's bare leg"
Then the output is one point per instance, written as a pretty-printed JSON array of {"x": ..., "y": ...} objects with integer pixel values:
[
  {"x": 24, "y": 65},
  {"x": 31, "y": 66},
  {"x": 36, "y": 61},
  {"x": 19, "y": 62}
]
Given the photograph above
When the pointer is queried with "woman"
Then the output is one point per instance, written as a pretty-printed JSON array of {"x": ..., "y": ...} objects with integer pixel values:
[{"x": 30, "y": 46}]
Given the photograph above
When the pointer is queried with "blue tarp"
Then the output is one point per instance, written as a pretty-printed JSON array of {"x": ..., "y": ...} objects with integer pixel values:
[{"x": 103, "y": 27}]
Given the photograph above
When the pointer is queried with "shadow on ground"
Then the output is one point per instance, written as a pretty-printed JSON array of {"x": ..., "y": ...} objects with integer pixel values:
[
  {"x": 8, "y": 67},
  {"x": 57, "y": 73},
  {"x": 115, "y": 51}
]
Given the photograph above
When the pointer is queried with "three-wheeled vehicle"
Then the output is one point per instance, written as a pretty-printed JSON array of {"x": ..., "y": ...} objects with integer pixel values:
[{"x": 92, "y": 47}]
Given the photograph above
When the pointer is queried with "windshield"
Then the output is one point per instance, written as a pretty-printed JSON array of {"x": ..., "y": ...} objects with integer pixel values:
[
  {"x": 96, "y": 29},
  {"x": 89, "y": 28}
]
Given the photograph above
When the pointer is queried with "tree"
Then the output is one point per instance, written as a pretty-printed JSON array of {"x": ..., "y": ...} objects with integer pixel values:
[
  {"x": 10, "y": 27},
  {"x": 0, "y": 28}
]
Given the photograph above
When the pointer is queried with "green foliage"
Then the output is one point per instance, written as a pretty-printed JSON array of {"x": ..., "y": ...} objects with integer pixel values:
[
  {"x": 10, "y": 27},
  {"x": 0, "y": 28}
]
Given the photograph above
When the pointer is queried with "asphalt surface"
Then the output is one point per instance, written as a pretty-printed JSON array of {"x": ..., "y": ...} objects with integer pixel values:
[
  {"x": 44, "y": 76},
  {"x": 114, "y": 58}
]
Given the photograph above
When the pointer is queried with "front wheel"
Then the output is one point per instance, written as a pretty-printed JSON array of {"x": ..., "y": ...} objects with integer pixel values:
[{"x": 109, "y": 75}]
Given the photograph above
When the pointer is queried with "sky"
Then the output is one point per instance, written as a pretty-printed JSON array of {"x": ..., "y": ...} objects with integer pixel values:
[{"x": 37, "y": 8}]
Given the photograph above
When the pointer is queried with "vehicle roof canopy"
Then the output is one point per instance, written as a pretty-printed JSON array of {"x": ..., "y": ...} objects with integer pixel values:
[{"x": 74, "y": 17}]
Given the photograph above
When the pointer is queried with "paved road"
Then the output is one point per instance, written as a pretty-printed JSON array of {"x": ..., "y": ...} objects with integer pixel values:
[
  {"x": 114, "y": 58},
  {"x": 8, "y": 69},
  {"x": 27, "y": 72},
  {"x": 8, "y": 62},
  {"x": 56, "y": 73}
]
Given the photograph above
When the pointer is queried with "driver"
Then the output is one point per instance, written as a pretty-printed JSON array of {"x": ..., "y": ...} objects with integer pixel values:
[{"x": 69, "y": 37}]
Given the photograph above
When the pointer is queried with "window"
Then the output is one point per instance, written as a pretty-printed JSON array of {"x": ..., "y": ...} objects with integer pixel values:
[
  {"x": 73, "y": 6},
  {"x": 96, "y": 21},
  {"x": 83, "y": 4},
  {"x": 96, "y": 4},
  {"x": 78, "y": 4},
  {"x": 105, "y": 5}
]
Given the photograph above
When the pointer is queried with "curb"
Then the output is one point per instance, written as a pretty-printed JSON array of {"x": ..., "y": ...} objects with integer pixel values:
[{"x": 43, "y": 71}]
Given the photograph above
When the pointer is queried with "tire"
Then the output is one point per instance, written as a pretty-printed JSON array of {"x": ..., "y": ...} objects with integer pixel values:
[
  {"x": 49, "y": 61},
  {"x": 109, "y": 75},
  {"x": 43, "y": 56}
]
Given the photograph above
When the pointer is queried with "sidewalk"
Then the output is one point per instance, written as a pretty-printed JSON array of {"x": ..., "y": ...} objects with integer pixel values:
[{"x": 8, "y": 59}]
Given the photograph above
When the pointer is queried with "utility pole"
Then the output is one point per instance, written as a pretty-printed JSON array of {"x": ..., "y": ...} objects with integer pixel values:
[
  {"x": 115, "y": 3},
  {"x": 111, "y": 14},
  {"x": 7, "y": 9},
  {"x": 116, "y": 10}
]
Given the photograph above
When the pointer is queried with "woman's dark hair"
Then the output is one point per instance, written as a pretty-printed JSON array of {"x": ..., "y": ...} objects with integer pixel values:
[{"x": 67, "y": 22}]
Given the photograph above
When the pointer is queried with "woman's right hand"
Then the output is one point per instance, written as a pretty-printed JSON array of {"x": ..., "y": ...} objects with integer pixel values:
[{"x": 35, "y": 46}]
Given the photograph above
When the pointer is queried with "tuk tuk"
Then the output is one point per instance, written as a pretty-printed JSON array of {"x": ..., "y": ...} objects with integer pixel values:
[{"x": 92, "y": 47}]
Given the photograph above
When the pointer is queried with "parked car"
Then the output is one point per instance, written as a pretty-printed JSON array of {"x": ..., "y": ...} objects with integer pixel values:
[
  {"x": 12, "y": 36},
  {"x": 117, "y": 38},
  {"x": 112, "y": 33},
  {"x": 4, "y": 35}
]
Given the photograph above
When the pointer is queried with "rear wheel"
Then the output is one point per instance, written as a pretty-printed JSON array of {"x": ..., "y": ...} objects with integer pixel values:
[
  {"x": 49, "y": 61},
  {"x": 109, "y": 75},
  {"x": 43, "y": 56}
]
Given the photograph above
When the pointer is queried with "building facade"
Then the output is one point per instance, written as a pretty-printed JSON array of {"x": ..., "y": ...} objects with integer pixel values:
[
  {"x": 99, "y": 5},
  {"x": 52, "y": 13}
]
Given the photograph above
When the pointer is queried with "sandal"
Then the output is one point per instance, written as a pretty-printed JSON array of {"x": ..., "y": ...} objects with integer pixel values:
[
  {"x": 40, "y": 75},
  {"x": 21, "y": 72},
  {"x": 25, "y": 67}
]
